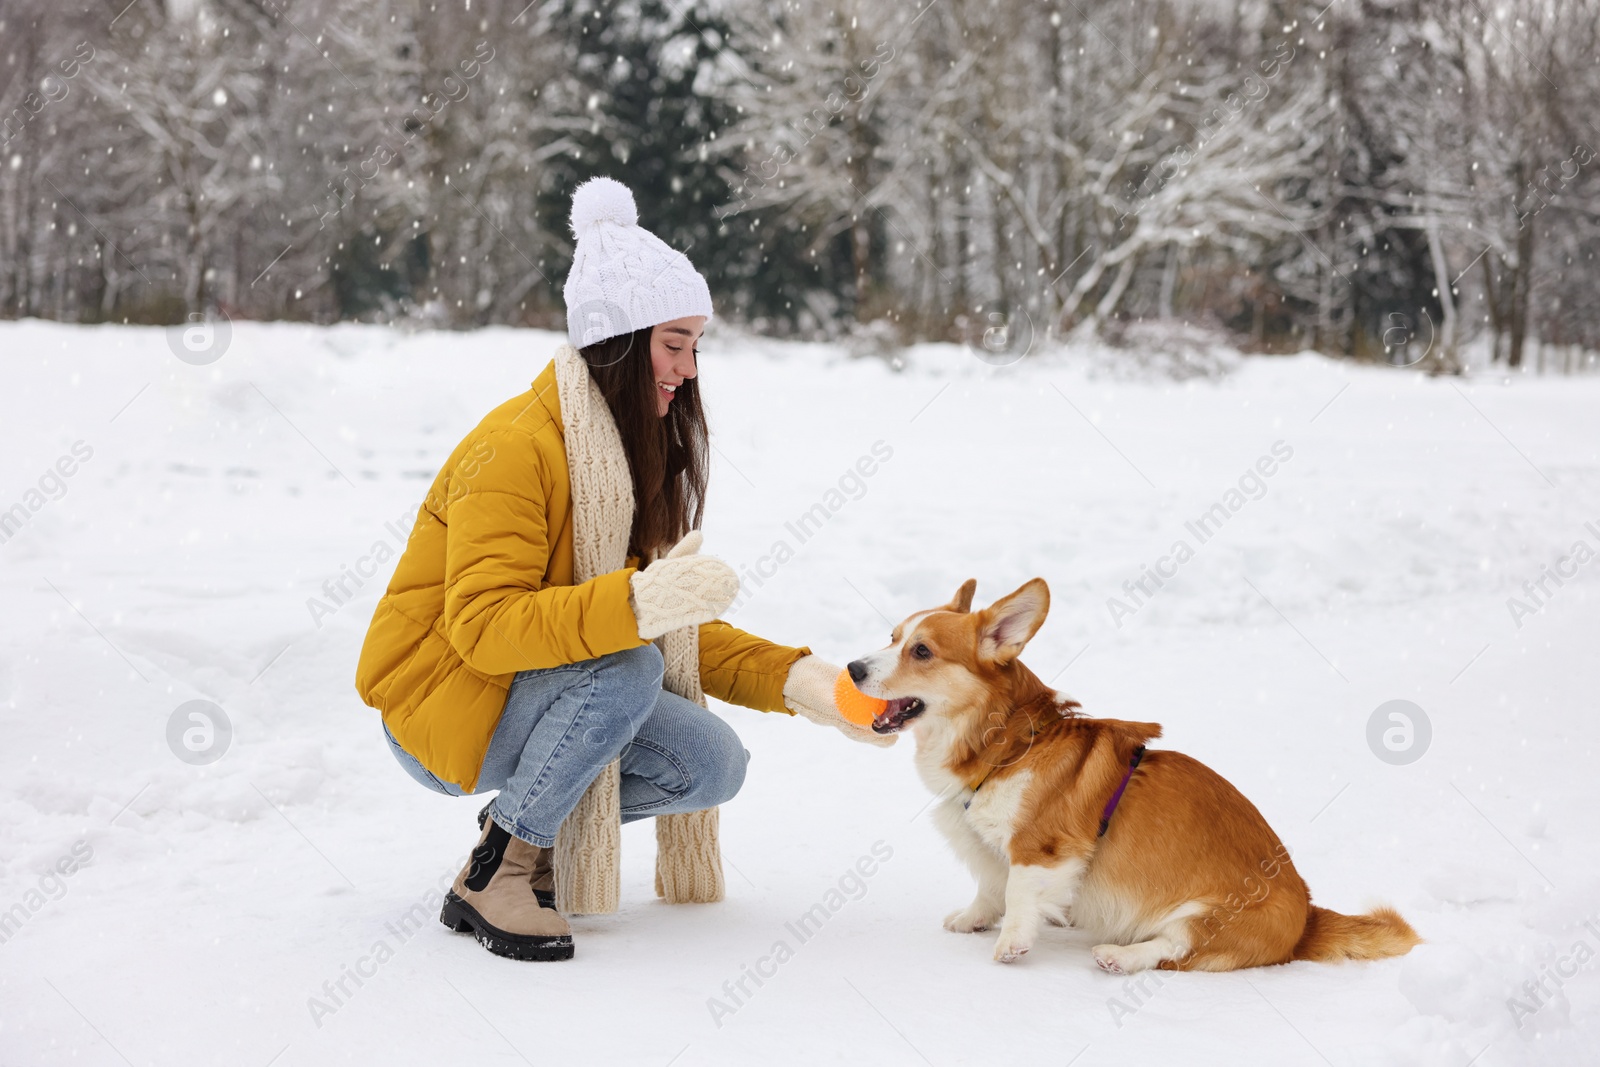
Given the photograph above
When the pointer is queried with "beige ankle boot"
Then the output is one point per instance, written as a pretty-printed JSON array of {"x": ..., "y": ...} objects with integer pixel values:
[
  {"x": 543, "y": 879},
  {"x": 544, "y": 872},
  {"x": 493, "y": 898}
]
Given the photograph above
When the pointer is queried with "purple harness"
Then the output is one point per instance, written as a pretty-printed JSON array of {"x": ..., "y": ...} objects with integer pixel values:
[{"x": 1116, "y": 798}]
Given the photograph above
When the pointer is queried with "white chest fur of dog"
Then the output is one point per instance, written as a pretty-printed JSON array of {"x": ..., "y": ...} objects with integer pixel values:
[
  {"x": 979, "y": 826},
  {"x": 988, "y": 815}
]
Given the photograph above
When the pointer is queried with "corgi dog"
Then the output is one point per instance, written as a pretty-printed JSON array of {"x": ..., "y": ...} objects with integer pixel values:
[{"x": 1069, "y": 819}]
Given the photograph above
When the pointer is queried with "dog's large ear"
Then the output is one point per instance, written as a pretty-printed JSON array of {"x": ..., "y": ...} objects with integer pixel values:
[
  {"x": 962, "y": 601},
  {"x": 1008, "y": 624}
]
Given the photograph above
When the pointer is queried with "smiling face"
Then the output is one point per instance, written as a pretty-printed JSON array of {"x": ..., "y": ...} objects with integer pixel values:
[
  {"x": 943, "y": 662},
  {"x": 672, "y": 356}
]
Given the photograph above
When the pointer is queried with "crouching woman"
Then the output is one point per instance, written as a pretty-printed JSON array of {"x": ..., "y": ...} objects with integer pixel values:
[{"x": 553, "y": 581}]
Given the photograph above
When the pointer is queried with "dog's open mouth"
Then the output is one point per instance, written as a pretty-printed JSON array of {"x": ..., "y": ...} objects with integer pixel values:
[{"x": 900, "y": 711}]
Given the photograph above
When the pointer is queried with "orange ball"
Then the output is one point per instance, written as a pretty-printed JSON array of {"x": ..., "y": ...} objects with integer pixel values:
[{"x": 853, "y": 704}]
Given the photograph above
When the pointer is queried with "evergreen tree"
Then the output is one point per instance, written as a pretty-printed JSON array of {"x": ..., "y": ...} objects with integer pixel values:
[{"x": 654, "y": 80}]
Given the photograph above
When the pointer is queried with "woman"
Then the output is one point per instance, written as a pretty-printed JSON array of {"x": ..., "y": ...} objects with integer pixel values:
[{"x": 512, "y": 652}]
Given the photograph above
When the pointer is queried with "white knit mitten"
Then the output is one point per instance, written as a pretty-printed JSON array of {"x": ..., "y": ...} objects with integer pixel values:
[
  {"x": 682, "y": 588},
  {"x": 808, "y": 691}
]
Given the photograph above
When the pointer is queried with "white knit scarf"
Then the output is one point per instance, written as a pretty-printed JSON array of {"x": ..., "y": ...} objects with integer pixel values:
[{"x": 688, "y": 863}]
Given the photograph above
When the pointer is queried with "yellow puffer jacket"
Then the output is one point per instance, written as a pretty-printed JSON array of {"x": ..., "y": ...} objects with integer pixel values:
[{"x": 484, "y": 590}]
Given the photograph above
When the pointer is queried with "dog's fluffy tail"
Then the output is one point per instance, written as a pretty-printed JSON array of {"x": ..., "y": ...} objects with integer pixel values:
[{"x": 1330, "y": 937}]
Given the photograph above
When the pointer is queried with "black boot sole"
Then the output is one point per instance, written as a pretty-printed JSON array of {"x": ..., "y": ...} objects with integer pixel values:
[
  {"x": 546, "y": 898},
  {"x": 463, "y": 918}
]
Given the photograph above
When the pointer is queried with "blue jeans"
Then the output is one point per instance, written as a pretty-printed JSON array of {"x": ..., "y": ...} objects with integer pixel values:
[{"x": 562, "y": 725}]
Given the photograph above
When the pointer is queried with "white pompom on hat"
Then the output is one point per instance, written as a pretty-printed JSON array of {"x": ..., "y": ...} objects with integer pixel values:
[{"x": 623, "y": 277}]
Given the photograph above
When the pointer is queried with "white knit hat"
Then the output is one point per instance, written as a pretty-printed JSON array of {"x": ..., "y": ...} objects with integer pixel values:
[{"x": 623, "y": 277}]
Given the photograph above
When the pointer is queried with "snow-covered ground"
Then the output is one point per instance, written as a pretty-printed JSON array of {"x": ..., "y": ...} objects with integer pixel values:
[{"x": 252, "y": 910}]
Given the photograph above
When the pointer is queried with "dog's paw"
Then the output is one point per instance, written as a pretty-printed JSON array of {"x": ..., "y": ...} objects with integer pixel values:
[
  {"x": 1009, "y": 950},
  {"x": 1113, "y": 959},
  {"x": 968, "y": 921}
]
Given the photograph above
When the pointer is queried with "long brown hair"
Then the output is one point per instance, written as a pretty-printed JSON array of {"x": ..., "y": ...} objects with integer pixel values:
[{"x": 667, "y": 454}]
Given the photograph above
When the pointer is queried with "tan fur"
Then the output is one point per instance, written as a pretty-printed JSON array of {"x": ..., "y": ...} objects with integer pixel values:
[
  {"x": 1378, "y": 934},
  {"x": 1189, "y": 875}
]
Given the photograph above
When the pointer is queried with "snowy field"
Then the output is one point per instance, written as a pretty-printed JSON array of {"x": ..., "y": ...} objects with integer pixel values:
[{"x": 253, "y": 910}]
